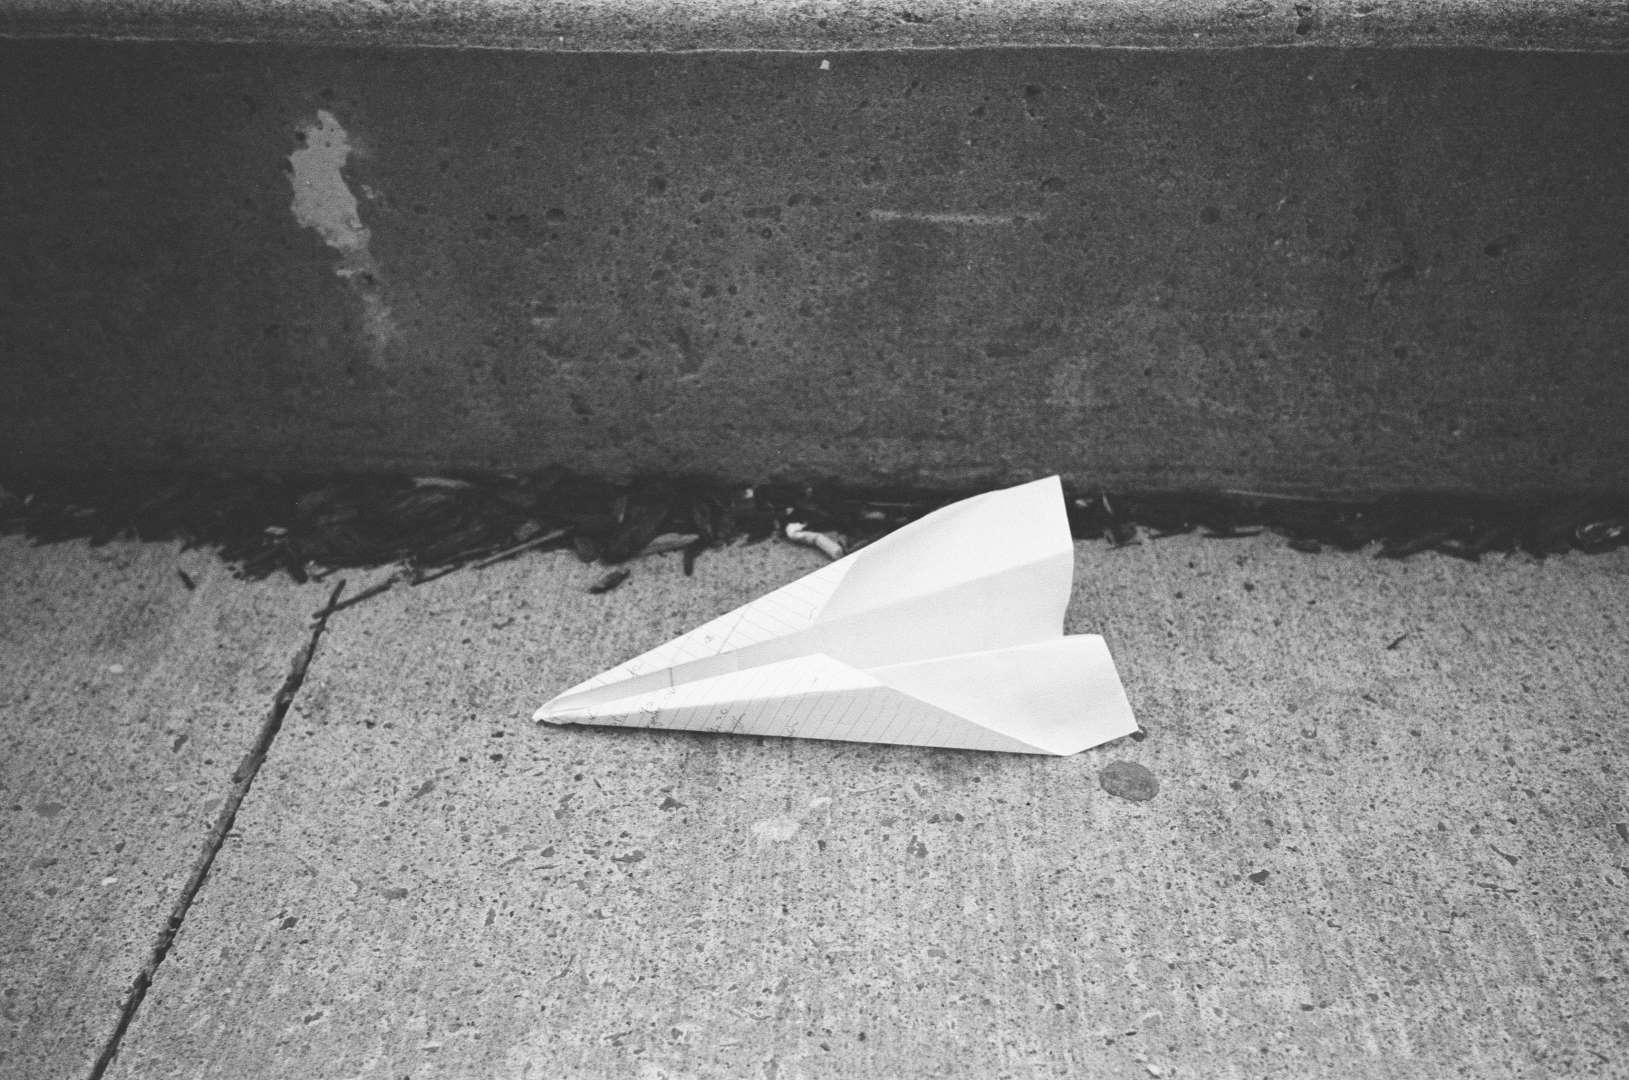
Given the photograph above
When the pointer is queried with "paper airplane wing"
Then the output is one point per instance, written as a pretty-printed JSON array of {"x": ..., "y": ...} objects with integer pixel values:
[
  {"x": 787, "y": 610},
  {"x": 989, "y": 572},
  {"x": 990, "y": 535},
  {"x": 1055, "y": 697}
]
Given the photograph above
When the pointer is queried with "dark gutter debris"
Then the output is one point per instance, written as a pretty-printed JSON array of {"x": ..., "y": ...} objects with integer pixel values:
[{"x": 306, "y": 526}]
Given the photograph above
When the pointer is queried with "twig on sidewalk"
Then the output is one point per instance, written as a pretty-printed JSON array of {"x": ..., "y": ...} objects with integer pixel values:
[{"x": 527, "y": 545}]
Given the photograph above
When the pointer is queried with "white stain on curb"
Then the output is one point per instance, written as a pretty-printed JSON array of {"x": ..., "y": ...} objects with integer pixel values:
[{"x": 323, "y": 202}]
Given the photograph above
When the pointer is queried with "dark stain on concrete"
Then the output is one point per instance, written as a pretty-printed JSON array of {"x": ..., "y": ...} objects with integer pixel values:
[{"x": 1128, "y": 780}]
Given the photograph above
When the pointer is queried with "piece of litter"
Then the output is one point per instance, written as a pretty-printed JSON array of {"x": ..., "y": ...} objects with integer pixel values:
[
  {"x": 948, "y": 632},
  {"x": 825, "y": 65},
  {"x": 115, "y": 669},
  {"x": 802, "y": 534},
  {"x": 1128, "y": 780}
]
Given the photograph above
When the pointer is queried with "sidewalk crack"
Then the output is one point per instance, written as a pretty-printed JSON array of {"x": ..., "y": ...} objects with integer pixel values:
[{"x": 243, "y": 778}]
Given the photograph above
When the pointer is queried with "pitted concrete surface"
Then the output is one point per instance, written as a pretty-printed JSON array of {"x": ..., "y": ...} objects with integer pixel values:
[
  {"x": 1322, "y": 269},
  {"x": 126, "y": 701},
  {"x": 1389, "y": 840}
]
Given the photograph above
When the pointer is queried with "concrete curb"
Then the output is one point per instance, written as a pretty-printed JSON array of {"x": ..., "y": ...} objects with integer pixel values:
[
  {"x": 1330, "y": 270},
  {"x": 842, "y": 25}
]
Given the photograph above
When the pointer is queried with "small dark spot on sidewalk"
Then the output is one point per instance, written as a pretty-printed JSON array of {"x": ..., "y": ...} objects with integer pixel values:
[
  {"x": 1128, "y": 780},
  {"x": 670, "y": 803},
  {"x": 1259, "y": 877},
  {"x": 636, "y": 855},
  {"x": 917, "y": 847},
  {"x": 394, "y": 893}
]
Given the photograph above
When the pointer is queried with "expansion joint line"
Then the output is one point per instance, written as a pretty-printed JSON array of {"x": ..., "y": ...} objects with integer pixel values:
[{"x": 243, "y": 778}]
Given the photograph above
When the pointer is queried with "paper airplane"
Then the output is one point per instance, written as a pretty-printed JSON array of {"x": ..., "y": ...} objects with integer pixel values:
[{"x": 947, "y": 632}]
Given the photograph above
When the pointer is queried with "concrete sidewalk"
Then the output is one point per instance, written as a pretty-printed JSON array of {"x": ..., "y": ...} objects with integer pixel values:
[
  {"x": 126, "y": 701},
  {"x": 1392, "y": 836}
]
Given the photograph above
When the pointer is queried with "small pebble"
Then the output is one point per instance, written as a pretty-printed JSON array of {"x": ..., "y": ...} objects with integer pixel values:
[
  {"x": 608, "y": 582},
  {"x": 1128, "y": 780}
]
